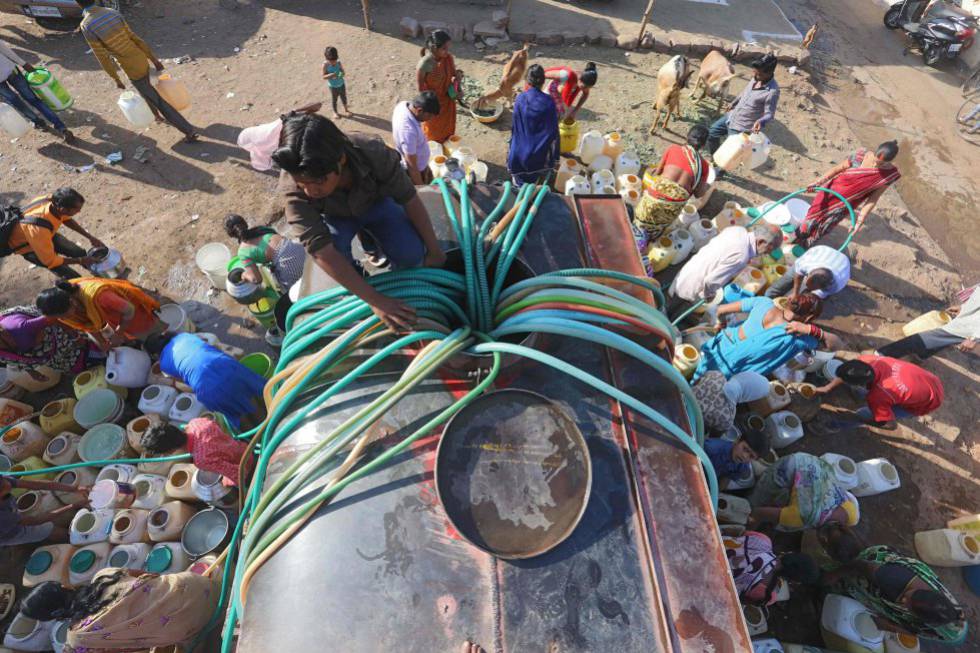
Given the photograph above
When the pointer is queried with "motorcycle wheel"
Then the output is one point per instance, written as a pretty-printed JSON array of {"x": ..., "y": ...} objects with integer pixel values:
[
  {"x": 931, "y": 55},
  {"x": 893, "y": 17}
]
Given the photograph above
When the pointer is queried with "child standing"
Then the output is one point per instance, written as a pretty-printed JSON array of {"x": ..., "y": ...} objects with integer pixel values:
[{"x": 333, "y": 72}]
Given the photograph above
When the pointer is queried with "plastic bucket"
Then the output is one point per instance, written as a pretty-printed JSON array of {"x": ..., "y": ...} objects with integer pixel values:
[
  {"x": 212, "y": 259},
  {"x": 259, "y": 363}
]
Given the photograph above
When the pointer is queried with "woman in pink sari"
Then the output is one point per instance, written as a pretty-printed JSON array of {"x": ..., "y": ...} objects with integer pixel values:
[{"x": 862, "y": 179}]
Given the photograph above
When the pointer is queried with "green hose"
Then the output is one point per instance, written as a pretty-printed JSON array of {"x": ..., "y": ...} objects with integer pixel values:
[
  {"x": 100, "y": 463},
  {"x": 464, "y": 312}
]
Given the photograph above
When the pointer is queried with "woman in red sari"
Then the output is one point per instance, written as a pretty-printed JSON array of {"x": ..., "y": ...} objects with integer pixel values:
[
  {"x": 862, "y": 179},
  {"x": 565, "y": 86},
  {"x": 436, "y": 72}
]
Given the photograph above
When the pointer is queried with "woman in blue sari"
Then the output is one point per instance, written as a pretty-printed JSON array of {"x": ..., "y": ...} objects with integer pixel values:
[
  {"x": 767, "y": 338},
  {"x": 534, "y": 132}
]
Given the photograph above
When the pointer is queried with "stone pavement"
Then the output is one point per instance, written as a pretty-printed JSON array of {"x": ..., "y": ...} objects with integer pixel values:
[{"x": 685, "y": 26}]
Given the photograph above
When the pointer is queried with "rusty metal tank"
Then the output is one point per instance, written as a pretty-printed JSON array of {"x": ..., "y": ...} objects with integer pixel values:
[{"x": 382, "y": 567}]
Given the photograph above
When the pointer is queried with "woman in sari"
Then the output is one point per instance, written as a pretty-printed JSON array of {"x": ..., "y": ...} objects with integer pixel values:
[
  {"x": 758, "y": 572},
  {"x": 862, "y": 178},
  {"x": 799, "y": 492},
  {"x": 28, "y": 339},
  {"x": 567, "y": 86},
  {"x": 436, "y": 72},
  {"x": 533, "y": 133},
  {"x": 126, "y": 610},
  {"x": 767, "y": 338},
  {"x": 904, "y": 593},
  {"x": 112, "y": 310}
]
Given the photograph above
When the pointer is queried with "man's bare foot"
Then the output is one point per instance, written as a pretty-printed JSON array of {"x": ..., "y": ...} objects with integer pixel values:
[
  {"x": 192, "y": 137},
  {"x": 336, "y": 116},
  {"x": 67, "y": 135},
  {"x": 470, "y": 647}
]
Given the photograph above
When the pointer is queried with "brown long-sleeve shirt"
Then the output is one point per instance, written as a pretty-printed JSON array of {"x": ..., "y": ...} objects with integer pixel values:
[{"x": 378, "y": 174}]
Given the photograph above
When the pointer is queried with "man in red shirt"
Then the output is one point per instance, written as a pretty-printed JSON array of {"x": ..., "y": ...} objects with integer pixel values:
[{"x": 894, "y": 388}]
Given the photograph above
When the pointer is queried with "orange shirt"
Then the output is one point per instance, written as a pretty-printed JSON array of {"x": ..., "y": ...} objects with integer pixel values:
[{"x": 27, "y": 238}]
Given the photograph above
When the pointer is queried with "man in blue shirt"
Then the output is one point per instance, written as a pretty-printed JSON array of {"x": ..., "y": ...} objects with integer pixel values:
[{"x": 732, "y": 459}]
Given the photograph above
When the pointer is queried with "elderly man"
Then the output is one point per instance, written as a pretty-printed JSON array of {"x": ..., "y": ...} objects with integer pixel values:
[
  {"x": 821, "y": 270},
  {"x": 753, "y": 108},
  {"x": 718, "y": 262},
  {"x": 409, "y": 139},
  {"x": 112, "y": 42}
]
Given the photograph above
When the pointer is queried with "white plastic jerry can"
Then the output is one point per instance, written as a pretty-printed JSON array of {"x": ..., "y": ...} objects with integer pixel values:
[
  {"x": 135, "y": 109},
  {"x": 947, "y": 547},
  {"x": 578, "y": 185},
  {"x": 683, "y": 243},
  {"x": 732, "y": 509},
  {"x": 784, "y": 428},
  {"x": 845, "y": 469},
  {"x": 129, "y": 556},
  {"x": 91, "y": 526},
  {"x": 876, "y": 476},
  {"x": 848, "y": 626}
]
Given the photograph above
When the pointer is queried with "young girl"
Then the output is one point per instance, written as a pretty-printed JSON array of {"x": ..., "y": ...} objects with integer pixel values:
[{"x": 333, "y": 72}]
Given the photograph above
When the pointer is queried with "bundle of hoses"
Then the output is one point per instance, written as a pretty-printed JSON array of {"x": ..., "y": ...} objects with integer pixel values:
[
  {"x": 758, "y": 215},
  {"x": 457, "y": 312}
]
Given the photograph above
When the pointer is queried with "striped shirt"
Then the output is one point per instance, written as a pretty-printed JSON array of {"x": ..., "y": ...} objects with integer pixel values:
[
  {"x": 828, "y": 258},
  {"x": 110, "y": 38}
]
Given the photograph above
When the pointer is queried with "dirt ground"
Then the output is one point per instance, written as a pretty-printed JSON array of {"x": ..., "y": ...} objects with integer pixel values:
[{"x": 248, "y": 65}]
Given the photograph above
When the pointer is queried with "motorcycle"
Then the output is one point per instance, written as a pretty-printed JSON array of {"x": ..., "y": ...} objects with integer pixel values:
[{"x": 940, "y": 31}]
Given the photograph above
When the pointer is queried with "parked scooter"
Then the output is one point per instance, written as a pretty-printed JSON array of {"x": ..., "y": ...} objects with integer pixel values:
[{"x": 939, "y": 30}]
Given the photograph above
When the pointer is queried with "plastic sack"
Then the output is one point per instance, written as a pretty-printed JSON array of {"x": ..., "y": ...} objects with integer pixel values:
[{"x": 260, "y": 142}]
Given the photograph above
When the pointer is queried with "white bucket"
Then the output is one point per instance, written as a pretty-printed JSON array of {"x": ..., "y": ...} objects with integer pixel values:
[
  {"x": 176, "y": 318},
  {"x": 212, "y": 259}
]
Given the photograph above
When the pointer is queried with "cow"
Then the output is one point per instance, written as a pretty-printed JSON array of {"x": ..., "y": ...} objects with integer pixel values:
[
  {"x": 713, "y": 78},
  {"x": 513, "y": 75},
  {"x": 671, "y": 78}
]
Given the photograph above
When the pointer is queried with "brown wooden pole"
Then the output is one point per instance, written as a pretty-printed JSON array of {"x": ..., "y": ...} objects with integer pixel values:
[
  {"x": 366, "y": 6},
  {"x": 646, "y": 19}
]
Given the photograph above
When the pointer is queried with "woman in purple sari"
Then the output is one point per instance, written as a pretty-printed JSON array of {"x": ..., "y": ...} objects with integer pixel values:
[
  {"x": 29, "y": 339},
  {"x": 534, "y": 132}
]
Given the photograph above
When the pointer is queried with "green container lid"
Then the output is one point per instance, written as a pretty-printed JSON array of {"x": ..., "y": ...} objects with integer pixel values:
[
  {"x": 39, "y": 562},
  {"x": 159, "y": 560},
  {"x": 119, "y": 559},
  {"x": 82, "y": 561}
]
